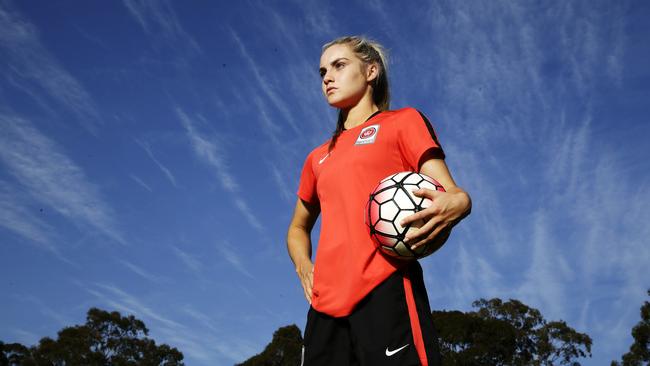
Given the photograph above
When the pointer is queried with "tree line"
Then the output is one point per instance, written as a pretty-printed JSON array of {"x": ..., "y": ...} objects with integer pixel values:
[
  {"x": 107, "y": 338},
  {"x": 495, "y": 333}
]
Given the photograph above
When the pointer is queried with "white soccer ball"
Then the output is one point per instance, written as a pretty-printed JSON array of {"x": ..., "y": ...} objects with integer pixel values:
[{"x": 390, "y": 202}]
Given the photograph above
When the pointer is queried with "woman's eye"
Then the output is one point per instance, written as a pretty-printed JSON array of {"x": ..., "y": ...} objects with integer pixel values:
[{"x": 338, "y": 66}]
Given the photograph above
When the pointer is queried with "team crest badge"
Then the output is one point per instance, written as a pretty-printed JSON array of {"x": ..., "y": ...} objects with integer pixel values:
[{"x": 368, "y": 135}]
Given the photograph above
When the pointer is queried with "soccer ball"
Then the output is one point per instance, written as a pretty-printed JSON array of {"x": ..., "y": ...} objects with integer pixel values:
[{"x": 390, "y": 202}]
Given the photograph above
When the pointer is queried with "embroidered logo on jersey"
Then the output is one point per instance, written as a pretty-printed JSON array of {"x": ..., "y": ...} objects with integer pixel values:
[{"x": 368, "y": 135}]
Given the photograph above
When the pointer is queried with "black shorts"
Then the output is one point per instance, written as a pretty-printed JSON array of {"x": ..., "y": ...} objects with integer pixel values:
[{"x": 392, "y": 325}]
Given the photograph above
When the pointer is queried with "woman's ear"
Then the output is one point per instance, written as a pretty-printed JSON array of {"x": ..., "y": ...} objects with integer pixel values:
[{"x": 372, "y": 71}]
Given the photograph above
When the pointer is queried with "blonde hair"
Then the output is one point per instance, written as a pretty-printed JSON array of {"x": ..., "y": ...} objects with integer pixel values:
[{"x": 369, "y": 52}]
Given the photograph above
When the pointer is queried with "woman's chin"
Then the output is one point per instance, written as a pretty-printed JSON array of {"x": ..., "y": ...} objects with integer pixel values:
[{"x": 338, "y": 103}]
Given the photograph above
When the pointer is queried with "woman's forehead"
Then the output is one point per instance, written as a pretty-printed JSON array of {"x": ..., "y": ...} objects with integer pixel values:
[{"x": 334, "y": 52}]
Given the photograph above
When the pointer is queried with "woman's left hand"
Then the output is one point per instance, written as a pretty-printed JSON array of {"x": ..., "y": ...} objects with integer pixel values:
[{"x": 446, "y": 210}]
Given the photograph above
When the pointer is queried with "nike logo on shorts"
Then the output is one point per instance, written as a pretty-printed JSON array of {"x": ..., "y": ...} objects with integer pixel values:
[{"x": 390, "y": 353}]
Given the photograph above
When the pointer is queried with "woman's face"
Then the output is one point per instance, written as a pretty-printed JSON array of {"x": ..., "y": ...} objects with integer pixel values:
[{"x": 344, "y": 77}]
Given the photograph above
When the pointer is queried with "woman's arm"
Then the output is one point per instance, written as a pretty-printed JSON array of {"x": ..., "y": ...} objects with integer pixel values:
[
  {"x": 299, "y": 243},
  {"x": 447, "y": 210}
]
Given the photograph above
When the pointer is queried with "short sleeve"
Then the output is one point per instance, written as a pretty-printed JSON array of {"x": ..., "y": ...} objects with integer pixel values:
[
  {"x": 416, "y": 138},
  {"x": 307, "y": 185}
]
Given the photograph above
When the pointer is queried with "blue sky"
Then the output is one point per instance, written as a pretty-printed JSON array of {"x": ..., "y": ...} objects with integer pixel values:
[{"x": 150, "y": 152}]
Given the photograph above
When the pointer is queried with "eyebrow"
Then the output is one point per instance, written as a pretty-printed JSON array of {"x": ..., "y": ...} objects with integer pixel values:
[{"x": 332, "y": 63}]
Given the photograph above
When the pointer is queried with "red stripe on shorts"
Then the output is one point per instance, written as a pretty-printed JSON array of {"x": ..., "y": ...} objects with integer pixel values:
[{"x": 415, "y": 322}]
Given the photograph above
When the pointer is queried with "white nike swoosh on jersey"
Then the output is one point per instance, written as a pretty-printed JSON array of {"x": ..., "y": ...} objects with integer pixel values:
[
  {"x": 390, "y": 353},
  {"x": 323, "y": 159}
]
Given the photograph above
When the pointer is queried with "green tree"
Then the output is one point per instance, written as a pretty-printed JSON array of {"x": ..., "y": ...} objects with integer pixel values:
[
  {"x": 496, "y": 334},
  {"x": 468, "y": 339},
  {"x": 105, "y": 339},
  {"x": 15, "y": 354},
  {"x": 285, "y": 349},
  {"x": 639, "y": 353},
  {"x": 507, "y": 333}
]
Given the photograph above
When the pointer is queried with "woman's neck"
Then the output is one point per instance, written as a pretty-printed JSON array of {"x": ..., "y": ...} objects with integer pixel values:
[{"x": 358, "y": 114}]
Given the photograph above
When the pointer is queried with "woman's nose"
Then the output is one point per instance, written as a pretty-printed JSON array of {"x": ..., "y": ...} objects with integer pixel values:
[{"x": 327, "y": 78}]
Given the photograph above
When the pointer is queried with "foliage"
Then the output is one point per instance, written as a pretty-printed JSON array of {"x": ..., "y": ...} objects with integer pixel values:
[
  {"x": 497, "y": 333},
  {"x": 14, "y": 354},
  {"x": 285, "y": 349},
  {"x": 639, "y": 353},
  {"x": 507, "y": 333},
  {"x": 105, "y": 339},
  {"x": 469, "y": 339}
]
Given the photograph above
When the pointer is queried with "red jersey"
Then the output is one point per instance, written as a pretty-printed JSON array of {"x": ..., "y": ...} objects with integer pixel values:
[{"x": 348, "y": 265}]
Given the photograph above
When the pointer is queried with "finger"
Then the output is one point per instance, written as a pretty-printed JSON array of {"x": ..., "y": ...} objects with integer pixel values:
[
  {"x": 427, "y": 239},
  {"x": 410, "y": 218},
  {"x": 307, "y": 296},
  {"x": 307, "y": 279},
  {"x": 310, "y": 278},
  {"x": 426, "y": 192},
  {"x": 416, "y": 235},
  {"x": 308, "y": 290},
  {"x": 428, "y": 226},
  {"x": 423, "y": 237},
  {"x": 424, "y": 214}
]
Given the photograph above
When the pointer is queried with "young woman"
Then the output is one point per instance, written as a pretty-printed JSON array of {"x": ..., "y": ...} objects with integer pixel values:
[{"x": 366, "y": 308}]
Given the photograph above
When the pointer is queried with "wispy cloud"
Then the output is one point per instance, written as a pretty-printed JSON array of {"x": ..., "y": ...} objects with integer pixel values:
[
  {"x": 129, "y": 304},
  {"x": 158, "y": 19},
  {"x": 52, "y": 178},
  {"x": 389, "y": 27},
  {"x": 44, "y": 309},
  {"x": 143, "y": 273},
  {"x": 319, "y": 18},
  {"x": 203, "y": 345},
  {"x": 140, "y": 182},
  {"x": 20, "y": 215},
  {"x": 14, "y": 216},
  {"x": 263, "y": 83},
  {"x": 226, "y": 252},
  {"x": 248, "y": 213},
  {"x": 289, "y": 136},
  {"x": 26, "y": 338},
  {"x": 28, "y": 63},
  {"x": 93, "y": 39},
  {"x": 617, "y": 47},
  {"x": 466, "y": 281},
  {"x": 194, "y": 341},
  {"x": 607, "y": 214},
  {"x": 192, "y": 263},
  {"x": 284, "y": 154},
  {"x": 548, "y": 273},
  {"x": 209, "y": 151},
  {"x": 281, "y": 181},
  {"x": 200, "y": 317},
  {"x": 233, "y": 348},
  {"x": 168, "y": 174},
  {"x": 517, "y": 91}
]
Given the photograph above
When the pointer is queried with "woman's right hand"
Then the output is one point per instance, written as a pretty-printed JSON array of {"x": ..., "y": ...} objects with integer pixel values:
[{"x": 305, "y": 270}]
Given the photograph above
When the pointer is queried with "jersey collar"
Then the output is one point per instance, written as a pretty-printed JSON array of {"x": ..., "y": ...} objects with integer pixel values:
[{"x": 364, "y": 122}]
